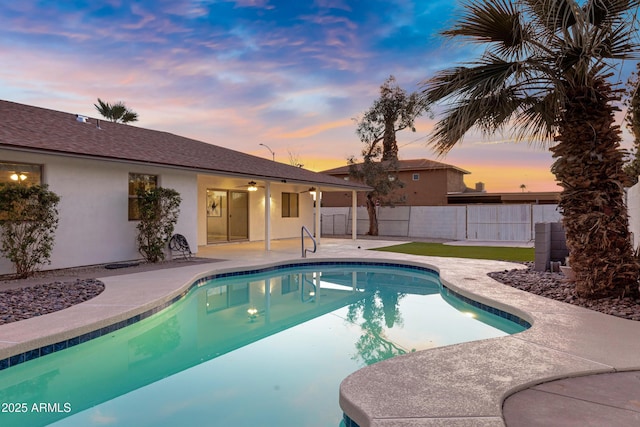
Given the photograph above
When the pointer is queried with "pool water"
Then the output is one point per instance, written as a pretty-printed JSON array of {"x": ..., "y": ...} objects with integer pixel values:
[{"x": 268, "y": 348}]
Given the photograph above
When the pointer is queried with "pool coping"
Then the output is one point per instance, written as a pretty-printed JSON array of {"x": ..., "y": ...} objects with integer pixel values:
[
  {"x": 466, "y": 384},
  {"x": 463, "y": 384}
]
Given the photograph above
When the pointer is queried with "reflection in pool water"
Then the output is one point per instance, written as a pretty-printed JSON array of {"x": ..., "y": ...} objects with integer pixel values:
[{"x": 267, "y": 348}]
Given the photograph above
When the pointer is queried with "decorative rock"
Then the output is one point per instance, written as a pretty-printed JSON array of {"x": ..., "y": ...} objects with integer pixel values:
[
  {"x": 37, "y": 300},
  {"x": 556, "y": 286}
]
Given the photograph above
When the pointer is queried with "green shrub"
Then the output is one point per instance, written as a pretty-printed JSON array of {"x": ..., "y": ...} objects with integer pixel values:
[
  {"x": 28, "y": 220},
  {"x": 159, "y": 210}
]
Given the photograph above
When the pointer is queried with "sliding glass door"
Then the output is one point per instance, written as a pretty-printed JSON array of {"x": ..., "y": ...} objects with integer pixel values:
[{"x": 227, "y": 215}]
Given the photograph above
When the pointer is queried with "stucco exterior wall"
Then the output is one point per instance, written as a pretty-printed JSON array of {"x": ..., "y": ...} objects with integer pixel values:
[
  {"x": 283, "y": 228},
  {"x": 93, "y": 211}
]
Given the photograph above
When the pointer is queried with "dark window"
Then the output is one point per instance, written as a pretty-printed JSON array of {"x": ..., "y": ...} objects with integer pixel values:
[
  {"x": 416, "y": 177},
  {"x": 289, "y": 205}
]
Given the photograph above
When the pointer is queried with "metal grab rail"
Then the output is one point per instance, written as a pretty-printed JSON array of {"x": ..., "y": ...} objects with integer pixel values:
[
  {"x": 312, "y": 294},
  {"x": 304, "y": 250}
]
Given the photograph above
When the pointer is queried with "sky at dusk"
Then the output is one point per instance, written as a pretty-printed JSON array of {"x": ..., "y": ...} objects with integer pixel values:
[{"x": 288, "y": 74}]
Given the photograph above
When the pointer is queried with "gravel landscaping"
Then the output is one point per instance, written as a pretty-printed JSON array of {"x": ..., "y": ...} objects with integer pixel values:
[
  {"x": 31, "y": 301},
  {"x": 556, "y": 286}
]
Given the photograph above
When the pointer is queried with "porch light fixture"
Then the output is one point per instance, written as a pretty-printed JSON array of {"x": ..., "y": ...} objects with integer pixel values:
[
  {"x": 252, "y": 186},
  {"x": 314, "y": 193},
  {"x": 18, "y": 176}
]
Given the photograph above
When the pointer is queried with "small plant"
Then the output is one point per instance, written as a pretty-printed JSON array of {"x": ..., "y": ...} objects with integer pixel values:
[
  {"x": 28, "y": 220},
  {"x": 159, "y": 210}
]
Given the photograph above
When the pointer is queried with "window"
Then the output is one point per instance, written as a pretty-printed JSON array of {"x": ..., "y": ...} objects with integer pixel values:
[
  {"x": 416, "y": 177},
  {"x": 289, "y": 205},
  {"x": 21, "y": 172},
  {"x": 139, "y": 181}
]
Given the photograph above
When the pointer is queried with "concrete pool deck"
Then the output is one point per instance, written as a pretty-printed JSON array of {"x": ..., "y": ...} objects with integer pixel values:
[{"x": 460, "y": 385}]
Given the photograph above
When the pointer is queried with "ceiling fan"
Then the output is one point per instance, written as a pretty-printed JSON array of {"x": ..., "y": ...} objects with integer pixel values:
[
  {"x": 311, "y": 190},
  {"x": 251, "y": 186}
]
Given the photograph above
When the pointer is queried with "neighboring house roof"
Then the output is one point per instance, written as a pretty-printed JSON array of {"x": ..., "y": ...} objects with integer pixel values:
[
  {"x": 24, "y": 127},
  {"x": 539, "y": 197},
  {"x": 405, "y": 165}
]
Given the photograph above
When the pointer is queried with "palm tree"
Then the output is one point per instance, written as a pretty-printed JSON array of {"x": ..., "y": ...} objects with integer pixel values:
[
  {"x": 545, "y": 76},
  {"x": 117, "y": 112}
]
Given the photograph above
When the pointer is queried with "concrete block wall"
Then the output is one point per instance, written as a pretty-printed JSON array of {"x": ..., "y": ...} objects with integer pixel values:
[
  {"x": 559, "y": 250},
  {"x": 442, "y": 222},
  {"x": 542, "y": 246},
  {"x": 550, "y": 245}
]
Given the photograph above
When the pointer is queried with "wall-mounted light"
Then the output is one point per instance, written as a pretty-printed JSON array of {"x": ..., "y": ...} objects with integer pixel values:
[
  {"x": 252, "y": 186},
  {"x": 18, "y": 176},
  {"x": 314, "y": 193}
]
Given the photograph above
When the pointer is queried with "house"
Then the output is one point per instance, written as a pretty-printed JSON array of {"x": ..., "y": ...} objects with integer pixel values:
[
  {"x": 426, "y": 183},
  {"x": 95, "y": 167}
]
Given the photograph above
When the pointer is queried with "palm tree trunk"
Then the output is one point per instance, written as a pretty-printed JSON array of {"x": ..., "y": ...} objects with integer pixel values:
[{"x": 588, "y": 167}]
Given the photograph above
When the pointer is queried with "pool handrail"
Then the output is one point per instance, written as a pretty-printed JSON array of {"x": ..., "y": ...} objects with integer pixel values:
[{"x": 304, "y": 250}]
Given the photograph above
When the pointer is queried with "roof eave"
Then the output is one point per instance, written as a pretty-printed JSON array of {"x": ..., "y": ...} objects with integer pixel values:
[{"x": 259, "y": 177}]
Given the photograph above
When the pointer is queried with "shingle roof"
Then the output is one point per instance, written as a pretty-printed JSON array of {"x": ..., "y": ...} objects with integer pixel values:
[
  {"x": 25, "y": 127},
  {"x": 405, "y": 165}
]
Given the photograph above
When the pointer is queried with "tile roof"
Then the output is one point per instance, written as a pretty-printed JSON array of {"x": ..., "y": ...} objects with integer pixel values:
[
  {"x": 24, "y": 127},
  {"x": 405, "y": 165}
]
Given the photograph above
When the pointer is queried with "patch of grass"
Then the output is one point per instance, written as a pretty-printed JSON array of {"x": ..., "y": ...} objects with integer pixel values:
[{"x": 476, "y": 252}]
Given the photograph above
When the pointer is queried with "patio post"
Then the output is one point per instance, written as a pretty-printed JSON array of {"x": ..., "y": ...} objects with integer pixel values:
[
  {"x": 354, "y": 214},
  {"x": 267, "y": 216},
  {"x": 318, "y": 224}
]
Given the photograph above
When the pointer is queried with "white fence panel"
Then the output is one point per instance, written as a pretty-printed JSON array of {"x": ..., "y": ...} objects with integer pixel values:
[
  {"x": 441, "y": 222},
  {"x": 546, "y": 213},
  {"x": 499, "y": 222},
  {"x": 394, "y": 221},
  {"x": 472, "y": 222},
  {"x": 334, "y": 224}
]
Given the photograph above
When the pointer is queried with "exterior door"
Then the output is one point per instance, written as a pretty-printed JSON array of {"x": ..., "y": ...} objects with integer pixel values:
[
  {"x": 238, "y": 215},
  {"x": 227, "y": 216}
]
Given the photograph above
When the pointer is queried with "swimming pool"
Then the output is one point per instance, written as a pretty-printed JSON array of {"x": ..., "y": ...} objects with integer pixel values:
[{"x": 267, "y": 347}]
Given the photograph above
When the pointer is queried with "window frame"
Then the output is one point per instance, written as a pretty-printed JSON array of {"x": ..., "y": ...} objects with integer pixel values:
[
  {"x": 415, "y": 176},
  {"x": 287, "y": 206},
  {"x": 133, "y": 211},
  {"x": 20, "y": 168}
]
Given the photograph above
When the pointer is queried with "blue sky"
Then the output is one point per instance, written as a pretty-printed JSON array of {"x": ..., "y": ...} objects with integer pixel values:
[{"x": 288, "y": 74}]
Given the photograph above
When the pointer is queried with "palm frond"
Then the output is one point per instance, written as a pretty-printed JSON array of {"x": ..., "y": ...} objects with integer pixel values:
[
  {"x": 490, "y": 74},
  {"x": 492, "y": 21},
  {"x": 488, "y": 114},
  {"x": 537, "y": 121},
  {"x": 616, "y": 43},
  {"x": 606, "y": 12},
  {"x": 553, "y": 15},
  {"x": 103, "y": 108}
]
